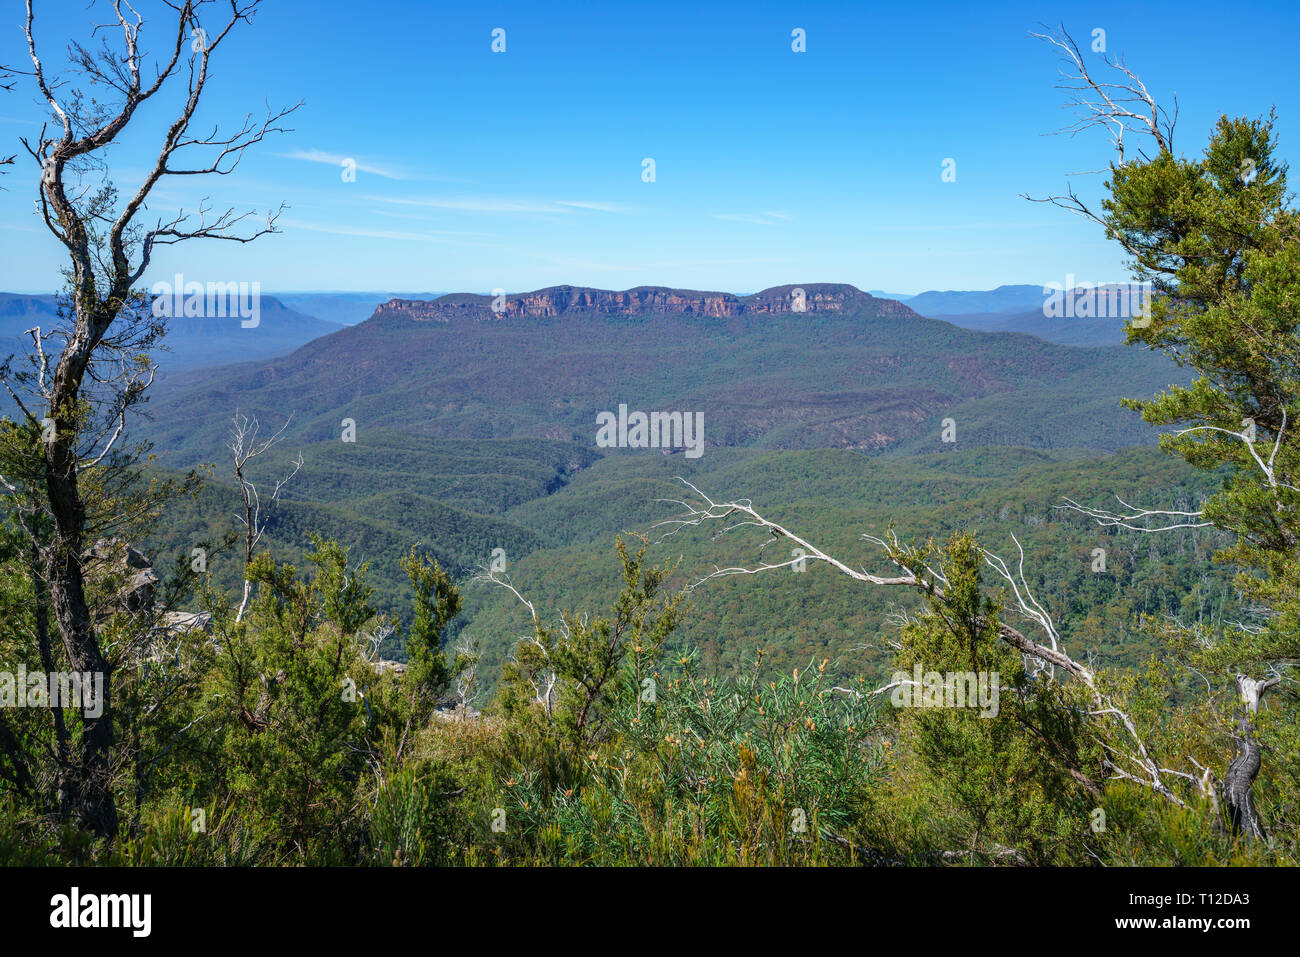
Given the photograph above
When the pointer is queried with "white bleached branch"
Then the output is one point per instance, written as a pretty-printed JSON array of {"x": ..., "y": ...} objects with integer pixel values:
[{"x": 739, "y": 513}]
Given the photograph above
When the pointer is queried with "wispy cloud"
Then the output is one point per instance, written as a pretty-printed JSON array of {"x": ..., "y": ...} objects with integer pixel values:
[
  {"x": 500, "y": 204},
  {"x": 695, "y": 265},
  {"x": 338, "y": 159},
  {"x": 432, "y": 236},
  {"x": 418, "y": 217},
  {"x": 597, "y": 207},
  {"x": 766, "y": 218}
]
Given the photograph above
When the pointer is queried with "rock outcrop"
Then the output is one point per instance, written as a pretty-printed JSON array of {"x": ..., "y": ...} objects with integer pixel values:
[
  {"x": 641, "y": 301},
  {"x": 116, "y": 561},
  {"x": 135, "y": 585}
]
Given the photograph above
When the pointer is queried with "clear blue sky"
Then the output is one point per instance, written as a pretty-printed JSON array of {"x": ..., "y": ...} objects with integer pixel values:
[{"x": 523, "y": 169}]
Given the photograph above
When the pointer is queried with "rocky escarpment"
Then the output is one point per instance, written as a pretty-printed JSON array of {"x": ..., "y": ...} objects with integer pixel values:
[{"x": 644, "y": 300}]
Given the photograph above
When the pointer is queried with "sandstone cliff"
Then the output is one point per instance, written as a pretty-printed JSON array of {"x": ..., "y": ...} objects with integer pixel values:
[{"x": 641, "y": 301}]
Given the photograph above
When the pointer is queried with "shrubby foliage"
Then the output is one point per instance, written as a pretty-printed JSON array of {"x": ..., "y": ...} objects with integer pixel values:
[{"x": 293, "y": 748}]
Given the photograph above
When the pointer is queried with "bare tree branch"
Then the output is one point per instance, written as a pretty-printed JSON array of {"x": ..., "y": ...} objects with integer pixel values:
[
  {"x": 703, "y": 512},
  {"x": 245, "y": 446},
  {"x": 1122, "y": 107}
]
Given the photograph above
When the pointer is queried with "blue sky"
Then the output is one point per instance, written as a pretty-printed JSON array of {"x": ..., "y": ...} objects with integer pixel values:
[{"x": 479, "y": 170}]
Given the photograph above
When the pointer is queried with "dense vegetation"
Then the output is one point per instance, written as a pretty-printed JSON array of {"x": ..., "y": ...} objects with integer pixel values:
[
  {"x": 555, "y": 509},
  {"x": 274, "y": 740}
]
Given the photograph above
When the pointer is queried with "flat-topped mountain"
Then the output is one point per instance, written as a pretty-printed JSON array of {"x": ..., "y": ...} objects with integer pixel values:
[
  {"x": 553, "y": 301},
  {"x": 848, "y": 370}
]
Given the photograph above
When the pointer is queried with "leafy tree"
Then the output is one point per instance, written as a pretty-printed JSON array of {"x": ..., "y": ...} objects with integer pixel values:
[
  {"x": 587, "y": 663},
  {"x": 1217, "y": 238},
  {"x": 428, "y": 673},
  {"x": 99, "y": 365},
  {"x": 286, "y": 707},
  {"x": 1009, "y": 774}
]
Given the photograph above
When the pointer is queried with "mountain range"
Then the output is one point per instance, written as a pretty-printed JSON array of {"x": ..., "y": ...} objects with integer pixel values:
[
  {"x": 344, "y": 308},
  {"x": 1017, "y": 298},
  {"x": 191, "y": 342},
  {"x": 1079, "y": 316}
]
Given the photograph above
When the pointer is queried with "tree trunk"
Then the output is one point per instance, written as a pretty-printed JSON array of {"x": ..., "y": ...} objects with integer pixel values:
[
  {"x": 90, "y": 793},
  {"x": 1239, "y": 782},
  {"x": 41, "y": 601}
]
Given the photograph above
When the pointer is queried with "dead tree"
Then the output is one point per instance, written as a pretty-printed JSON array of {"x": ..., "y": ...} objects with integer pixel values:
[
  {"x": 1123, "y": 106},
  {"x": 530, "y": 653},
  {"x": 1239, "y": 780},
  {"x": 109, "y": 249},
  {"x": 467, "y": 657},
  {"x": 244, "y": 446}
]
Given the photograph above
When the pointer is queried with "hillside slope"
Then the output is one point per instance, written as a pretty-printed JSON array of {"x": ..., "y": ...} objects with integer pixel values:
[
  {"x": 191, "y": 343},
  {"x": 851, "y": 371}
]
